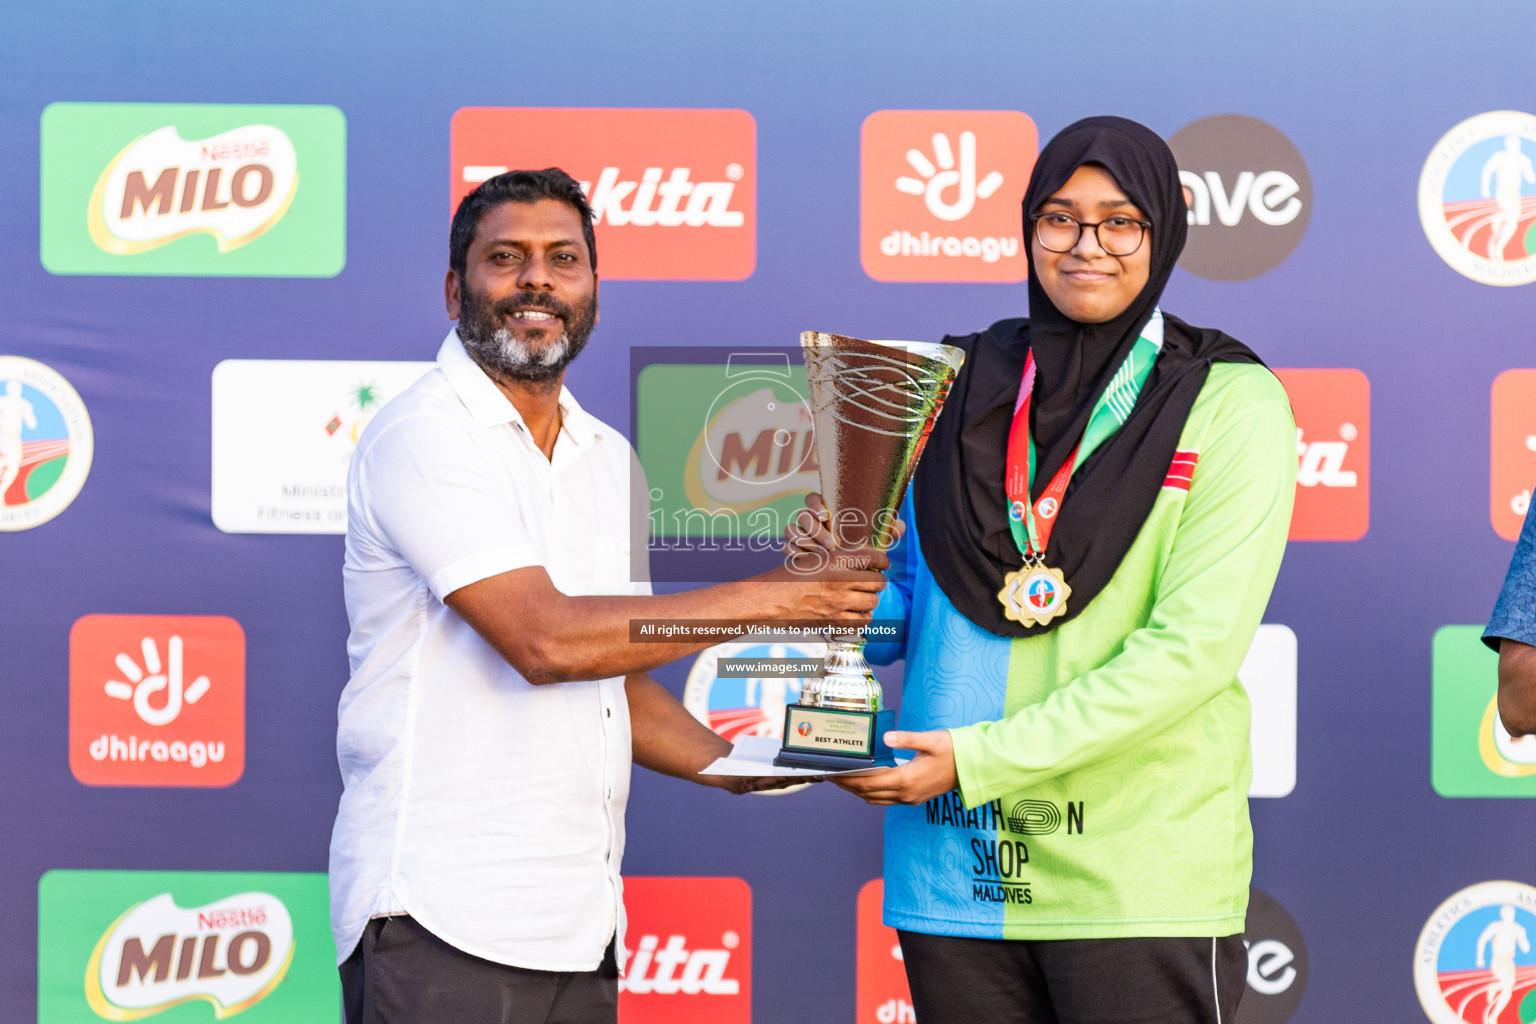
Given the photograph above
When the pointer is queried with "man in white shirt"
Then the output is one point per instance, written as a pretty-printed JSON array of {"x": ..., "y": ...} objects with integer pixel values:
[{"x": 496, "y": 701}]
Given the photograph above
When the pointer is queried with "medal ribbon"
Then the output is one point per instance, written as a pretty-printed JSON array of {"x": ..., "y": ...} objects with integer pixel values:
[{"x": 1032, "y": 522}]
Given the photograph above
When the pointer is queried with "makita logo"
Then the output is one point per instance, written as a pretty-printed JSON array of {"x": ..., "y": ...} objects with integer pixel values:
[
  {"x": 667, "y": 200},
  {"x": 673, "y": 192},
  {"x": 673, "y": 968},
  {"x": 1332, "y": 410},
  {"x": 1322, "y": 462}
]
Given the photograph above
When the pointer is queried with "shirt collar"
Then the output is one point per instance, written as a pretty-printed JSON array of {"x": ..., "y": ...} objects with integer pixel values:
[{"x": 491, "y": 408}]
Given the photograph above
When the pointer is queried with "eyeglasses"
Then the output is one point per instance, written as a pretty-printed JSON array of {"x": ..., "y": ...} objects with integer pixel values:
[{"x": 1118, "y": 236}]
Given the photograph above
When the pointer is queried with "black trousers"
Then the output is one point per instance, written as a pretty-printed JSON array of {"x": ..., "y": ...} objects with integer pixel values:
[
  {"x": 400, "y": 973},
  {"x": 1074, "y": 981}
]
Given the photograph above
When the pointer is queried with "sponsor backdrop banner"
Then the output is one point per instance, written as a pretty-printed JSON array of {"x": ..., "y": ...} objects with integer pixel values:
[{"x": 225, "y": 236}]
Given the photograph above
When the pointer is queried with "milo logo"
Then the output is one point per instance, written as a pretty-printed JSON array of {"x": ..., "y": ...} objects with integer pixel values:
[
  {"x": 192, "y": 189},
  {"x": 231, "y": 953},
  {"x": 234, "y": 187},
  {"x": 189, "y": 945}
]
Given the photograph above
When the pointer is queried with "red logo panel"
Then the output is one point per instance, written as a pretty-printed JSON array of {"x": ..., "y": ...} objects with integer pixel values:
[
  {"x": 940, "y": 194},
  {"x": 883, "y": 995},
  {"x": 157, "y": 700},
  {"x": 1333, "y": 448},
  {"x": 1513, "y": 457},
  {"x": 689, "y": 951},
  {"x": 673, "y": 192}
]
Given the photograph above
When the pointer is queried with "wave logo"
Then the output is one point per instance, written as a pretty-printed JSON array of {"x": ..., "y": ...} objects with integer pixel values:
[
  {"x": 1277, "y": 962},
  {"x": 46, "y": 443},
  {"x": 673, "y": 192},
  {"x": 1512, "y": 450},
  {"x": 940, "y": 194},
  {"x": 234, "y": 186},
  {"x": 1474, "y": 962},
  {"x": 692, "y": 962},
  {"x": 1249, "y": 196},
  {"x": 1333, "y": 453},
  {"x": 231, "y": 954},
  {"x": 1477, "y": 198},
  {"x": 157, "y": 700}
]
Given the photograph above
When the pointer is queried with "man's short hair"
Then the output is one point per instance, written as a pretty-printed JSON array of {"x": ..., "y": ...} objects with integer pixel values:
[{"x": 516, "y": 187}]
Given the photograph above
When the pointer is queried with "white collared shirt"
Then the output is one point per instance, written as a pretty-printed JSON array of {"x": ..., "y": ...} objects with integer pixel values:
[{"x": 489, "y": 809}]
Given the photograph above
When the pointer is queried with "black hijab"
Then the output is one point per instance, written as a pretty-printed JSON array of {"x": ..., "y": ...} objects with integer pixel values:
[{"x": 958, "y": 495}]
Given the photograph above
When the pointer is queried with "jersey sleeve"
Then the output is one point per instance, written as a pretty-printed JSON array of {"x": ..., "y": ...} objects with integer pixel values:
[
  {"x": 1208, "y": 603},
  {"x": 1514, "y": 615},
  {"x": 896, "y": 598}
]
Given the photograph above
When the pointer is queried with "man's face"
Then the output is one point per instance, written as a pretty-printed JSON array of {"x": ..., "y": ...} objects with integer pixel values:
[
  {"x": 1087, "y": 283},
  {"x": 528, "y": 300}
]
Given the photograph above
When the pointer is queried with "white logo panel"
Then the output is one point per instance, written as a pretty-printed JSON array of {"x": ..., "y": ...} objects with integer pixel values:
[
  {"x": 1268, "y": 673},
  {"x": 283, "y": 435}
]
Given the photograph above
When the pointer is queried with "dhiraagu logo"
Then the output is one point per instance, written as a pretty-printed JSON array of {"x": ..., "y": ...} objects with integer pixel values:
[
  {"x": 130, "y": 945},
  {"x": 1473, "y": 755},
  {"x": 193, "y": 190}
]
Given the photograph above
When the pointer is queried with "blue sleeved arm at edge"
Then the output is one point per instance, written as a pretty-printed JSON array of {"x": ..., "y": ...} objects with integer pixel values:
[
  {"x": 1514, "y": 616},
  {"x": 896, "y": 599}
]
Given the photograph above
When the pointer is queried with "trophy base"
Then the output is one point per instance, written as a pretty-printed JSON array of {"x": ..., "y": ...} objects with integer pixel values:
[{"x": 832, "y": 739}]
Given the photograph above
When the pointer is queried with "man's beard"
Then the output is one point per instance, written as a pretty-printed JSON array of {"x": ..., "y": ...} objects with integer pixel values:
[{"x": 504, "y": 356}]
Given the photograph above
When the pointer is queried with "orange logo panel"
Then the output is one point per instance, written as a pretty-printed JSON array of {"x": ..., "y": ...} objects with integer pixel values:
[
  {"x": 689, "y": 951},
  {"x": 1513, "y": 456},
  {"x": 883, "y": 995},
  {"x": 157, "y": 700},
  {"x": 1333, "y": 449},
  {"x": 673, "y": 192},
  {"x": 940, "y": 194}
]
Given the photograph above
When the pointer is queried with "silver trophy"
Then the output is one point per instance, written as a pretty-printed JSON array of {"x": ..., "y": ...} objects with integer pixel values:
[{"x": 873, "y": 404}]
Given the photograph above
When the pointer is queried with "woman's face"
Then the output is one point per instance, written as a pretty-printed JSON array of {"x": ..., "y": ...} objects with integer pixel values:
[{"x": 1087, "y": 283}]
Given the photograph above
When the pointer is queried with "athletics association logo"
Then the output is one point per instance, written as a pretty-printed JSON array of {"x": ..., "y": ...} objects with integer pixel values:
[
  {"x": 193, "y": 189},
  {"x": 1474, "y": 962},
  {"x": 1512, "y": 456},
  {"x": 673, "y": 192},
  {"x": 130, "y": 945},
  {"x": 1249, "y": 196},
  {"x": 748, "y": 706},
  {"x": 940, "y": 192},
  {"x": 688, "y": 955},
  {"x": 1042, "y": 592},
  {"x": 46, "y": 443},
  {"x": 1333, "y": 451},
  {"x": 157, "y": 700},
  {"x": 1477, "y": 198}
]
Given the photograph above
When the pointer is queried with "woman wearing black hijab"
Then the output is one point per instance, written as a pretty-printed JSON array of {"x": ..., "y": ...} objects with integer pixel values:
[{"x": 1097, "y": 522}]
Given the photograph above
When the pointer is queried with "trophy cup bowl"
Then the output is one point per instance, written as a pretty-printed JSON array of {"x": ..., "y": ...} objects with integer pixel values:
[{"x": 873, "y": 405}]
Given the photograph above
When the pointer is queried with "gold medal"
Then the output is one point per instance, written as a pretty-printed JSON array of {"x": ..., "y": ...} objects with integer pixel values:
[{"x": 1034, "y": 595}]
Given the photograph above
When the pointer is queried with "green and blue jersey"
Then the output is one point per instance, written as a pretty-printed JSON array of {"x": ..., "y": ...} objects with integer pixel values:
[{"x": 1104, "y": 765}]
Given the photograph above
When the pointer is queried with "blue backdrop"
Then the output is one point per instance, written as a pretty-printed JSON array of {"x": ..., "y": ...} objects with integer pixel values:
[{"x": 1360, "y": 852}]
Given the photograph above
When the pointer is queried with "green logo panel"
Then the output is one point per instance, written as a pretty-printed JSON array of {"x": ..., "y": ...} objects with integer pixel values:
[
  {"x": 193, "y": 190},
  {"x": 180, "y": 947},
  {"x": 1471, "y": 753},
  {"x": 727, "y": 447}
]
